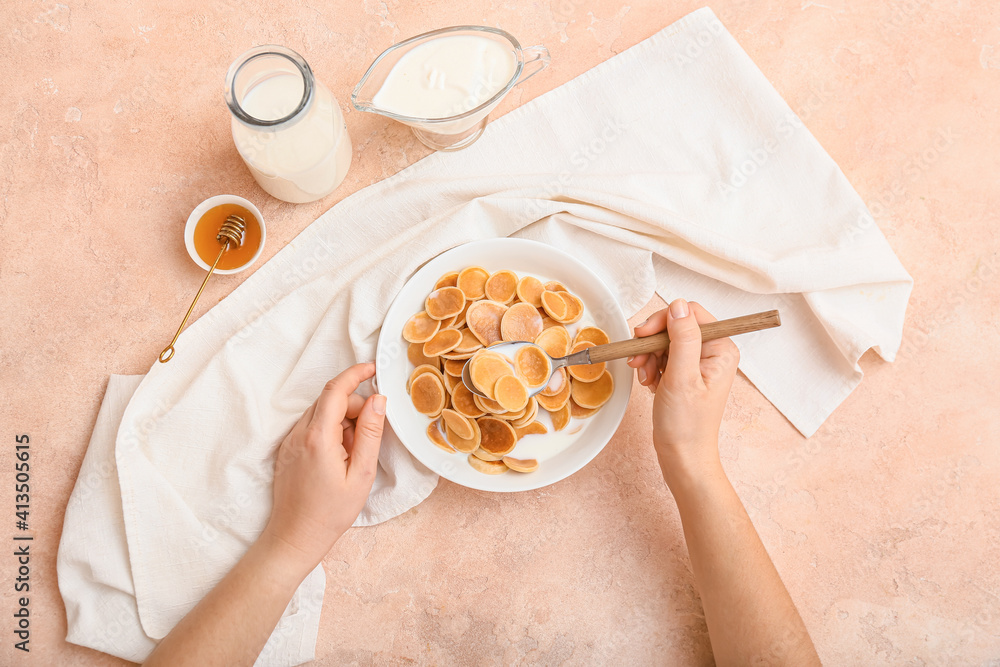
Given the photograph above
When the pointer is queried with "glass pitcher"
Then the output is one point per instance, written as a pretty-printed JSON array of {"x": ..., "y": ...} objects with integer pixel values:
[
  {"x": 456, "y": 132},
  {"x": 287, "y": 126}
]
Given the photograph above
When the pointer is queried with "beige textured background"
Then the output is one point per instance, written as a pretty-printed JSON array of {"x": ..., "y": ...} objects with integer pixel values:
[{"x": 884, "y": 525}]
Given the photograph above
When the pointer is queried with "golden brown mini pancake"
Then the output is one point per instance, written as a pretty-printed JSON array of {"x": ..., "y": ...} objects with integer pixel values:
[
  {"x": 557, "y": 384},
  {"x": 415, "y": 353},
  {"x": 576, "y": 412},
  {"x": 501, "y": 286},
  {"x": 472, "y": 281},
  {"x": 460, "y": 318},
  {"x": 511, "y": 393},
  {"x": 555, "y": 403},
  {"x": 464, "y": 445},
  {"x": 450, "y": 382},
  {"x": 483, "y": 455},
  {"x": 453, "y": 367},
  {"x": 463, "y": 400},
  {"x": 454, "y": 355},
  {"x": 555, "y": 341},
  {"x": 554, "y": 305},
  {"x": 513, "y": 416},
  {"x": 498, "y": 437},
  {"x": 534, "y": 428},
  {"x": 442, "y": 342},
  {"x": 548, "y": 322},
  {"x": 485, "y": 369},
  {"x": 521, "y": 322},
  {"x": 421, "y": 369},
  {"x": 434, "y": 435},
  {"x": 574, "y": 308},
  {"x": 533, "y": 365},
  {"x": 487, "y": 467},
  {"x": 428, "y": 394},
  {"x": 530, "y": 412},
  {"x": 444, "y": 303},
  {"x": 521, "y": 465},
  {"x": 461, "y": 426},
  {"x": 447, "y": 280},
  {"x": 483, "y": 319},
  {"x": 594, "y": 394},
  {"x": 420, "y": 328},
  {"x": 560, "y": 418},
  {"x": 469, "y": 342},
  {"x": 595, "y": 335},
  {"x": 487, "y": 405},
  {"x": 585, "y": 372},
  {"x": 529, "y": 290},
  {"x": 555, "y": 286}
]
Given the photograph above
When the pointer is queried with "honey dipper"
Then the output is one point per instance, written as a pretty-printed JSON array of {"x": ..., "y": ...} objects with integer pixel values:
[{"x": 231, "y": 234}]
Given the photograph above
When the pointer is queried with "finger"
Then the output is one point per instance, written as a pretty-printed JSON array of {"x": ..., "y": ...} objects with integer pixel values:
[
  {"x": 712, "y": 348},
  {"x": 331, "y": 406},
  {"x": 367, "y": 440},
  {"x": 685, "y": 344},
  {"x": 354, "y": 403},
  {"x": 348, "y": 442},
  {"x": 637, "y": 362},
  {"x": 650, "y": 372},
  {"x": 656, "y": 323}
]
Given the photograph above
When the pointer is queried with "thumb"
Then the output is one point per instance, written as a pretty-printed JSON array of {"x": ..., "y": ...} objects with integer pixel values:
[
  {"x": 367, "y": 440},
  {"x": 684, "y": 356}
]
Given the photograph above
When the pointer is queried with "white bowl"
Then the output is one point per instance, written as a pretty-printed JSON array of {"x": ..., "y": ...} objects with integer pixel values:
[
  {"x": 559, "y": 454},
  {"x": 203, "y": 208}
]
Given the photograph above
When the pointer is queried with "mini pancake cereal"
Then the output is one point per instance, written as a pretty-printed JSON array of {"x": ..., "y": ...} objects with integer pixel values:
[
  {"x": 585, "y": 372},
  {"x": 472, "y": 281},
  {"x": 512, "y": 394},
  {"x": 554, "y": 340},
  {"x": 428, "y": 394},
  {"x": 483, "y": 319},
  {"x": 594, "y": 394},
  {"x": 445, "y": 303},
  {"x": 420, "y": 328},
  {"x": 442, "y": 342},
  {"x": 447, "y": 280},
  {"x": 529, "y": 290},
  {"x": 520, "y": 465},
  {"x": 501, "y": 286},
  {"x": 591, "y": 335},
  {"x": 554, "y": 305},
  {"x": 466, "y": 313},
  {"x": 521, "y": 322},
  {"x": 532, "y": 366}
]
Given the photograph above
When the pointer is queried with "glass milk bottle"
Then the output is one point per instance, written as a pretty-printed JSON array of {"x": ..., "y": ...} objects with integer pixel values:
[{"x": 287, "y": 127}]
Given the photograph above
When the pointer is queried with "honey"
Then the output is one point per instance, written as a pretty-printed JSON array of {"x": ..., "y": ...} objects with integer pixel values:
[{"x": 208, "y": 227}]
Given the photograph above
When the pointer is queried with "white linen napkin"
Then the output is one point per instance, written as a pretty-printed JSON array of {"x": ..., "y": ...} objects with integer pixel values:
[{"x": 675, "y": 166}]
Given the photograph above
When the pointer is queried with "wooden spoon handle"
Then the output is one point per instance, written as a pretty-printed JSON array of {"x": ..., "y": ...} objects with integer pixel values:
[{"x": 709, "y": 331}]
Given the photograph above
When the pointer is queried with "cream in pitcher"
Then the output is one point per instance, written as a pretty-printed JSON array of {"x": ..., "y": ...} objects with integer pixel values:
[
  {"x": 443, "y": 84},
  {"x": 287, "y": 126},
  {"x": 446, "y": 76}
]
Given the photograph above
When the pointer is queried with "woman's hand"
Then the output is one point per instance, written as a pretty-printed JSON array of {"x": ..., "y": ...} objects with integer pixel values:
[
  {"x": 691, "y": 385},
  {"x": 325, "y": 468}
]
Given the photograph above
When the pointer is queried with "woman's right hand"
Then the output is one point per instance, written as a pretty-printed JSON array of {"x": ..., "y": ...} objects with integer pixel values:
[{"x": 691, "y": 384}]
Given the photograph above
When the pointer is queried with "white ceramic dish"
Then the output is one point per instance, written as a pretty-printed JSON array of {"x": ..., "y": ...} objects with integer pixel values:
[
  {"x": 559, "y": 454},
  {"x": 204, "y": 207}
]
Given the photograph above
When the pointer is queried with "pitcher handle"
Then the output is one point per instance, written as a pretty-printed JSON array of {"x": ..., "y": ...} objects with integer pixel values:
[{"x": 536, "y": 58}]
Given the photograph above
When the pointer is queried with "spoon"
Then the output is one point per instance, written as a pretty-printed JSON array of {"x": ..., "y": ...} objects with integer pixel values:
[
  {"x": 230, "y": 237},
  {"x": 631, "y": 348}
]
